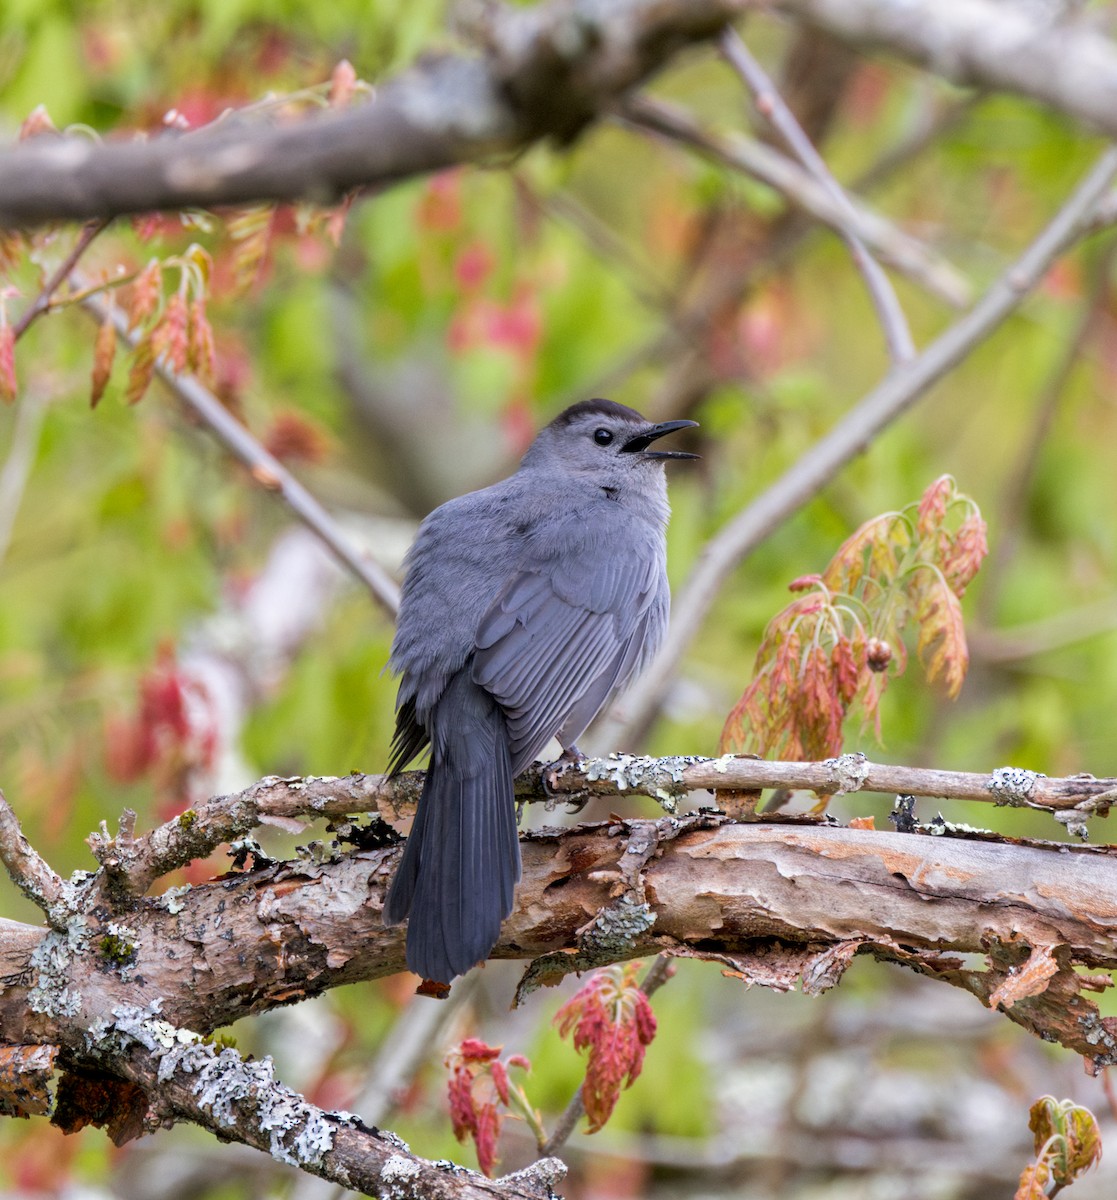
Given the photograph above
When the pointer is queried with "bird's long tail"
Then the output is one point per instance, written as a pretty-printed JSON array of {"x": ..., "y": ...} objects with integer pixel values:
[{"x": 462, "y": 859}]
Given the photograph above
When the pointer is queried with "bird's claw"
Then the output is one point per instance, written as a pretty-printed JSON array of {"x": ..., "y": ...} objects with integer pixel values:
[{"x": 574, "y": 801}]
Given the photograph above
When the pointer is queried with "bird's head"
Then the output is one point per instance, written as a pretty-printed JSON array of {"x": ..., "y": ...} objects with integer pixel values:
[{"x": 612, "y": 444}]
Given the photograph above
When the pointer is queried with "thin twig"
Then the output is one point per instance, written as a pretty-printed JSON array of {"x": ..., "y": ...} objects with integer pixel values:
[
  {"x": 265, "y": 469},
  {"x": 17, "y": 466},
  {"x": 1014, "y": 491},
  {"x": 1057, "y": 632},
  {"x": 221, "y": 819},
  {"x": 43, "y": 301},
  {"x": 852, "y": 434},
  {"x": 29, "y": 872},
  {"x": 782, "y": 174},
  {"x": 901, "y": 346},
  {"x": 657, "y": 975}
]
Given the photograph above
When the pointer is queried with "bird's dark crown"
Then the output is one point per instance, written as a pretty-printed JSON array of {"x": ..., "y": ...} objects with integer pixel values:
[{"x": 596, "y": 408}]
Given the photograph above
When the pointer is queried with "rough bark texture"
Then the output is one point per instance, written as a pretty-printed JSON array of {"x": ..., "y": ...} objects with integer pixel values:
[{"x": 699, "y": 885}]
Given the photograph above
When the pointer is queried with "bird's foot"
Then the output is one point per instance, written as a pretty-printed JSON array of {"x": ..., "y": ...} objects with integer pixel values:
[{"x": 574, "y": 801}]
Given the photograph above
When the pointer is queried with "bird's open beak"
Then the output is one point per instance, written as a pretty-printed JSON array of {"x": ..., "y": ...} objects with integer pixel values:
[{"x": 642, "y": 441}]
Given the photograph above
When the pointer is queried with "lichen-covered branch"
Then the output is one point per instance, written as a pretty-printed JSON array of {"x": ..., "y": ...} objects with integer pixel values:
[
  {"x": 543, "y": 72},
  {"x": 180, "y": 1077},
  {"x": 200, "y": 830},
  {"x": 772, "y": 902}
]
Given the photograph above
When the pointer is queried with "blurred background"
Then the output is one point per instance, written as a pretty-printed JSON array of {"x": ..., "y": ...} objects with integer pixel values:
[{"x": 166, "y": 632}]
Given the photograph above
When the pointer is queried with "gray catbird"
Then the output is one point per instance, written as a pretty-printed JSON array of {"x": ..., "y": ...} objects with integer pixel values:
[{"x": 525, "y": 607}]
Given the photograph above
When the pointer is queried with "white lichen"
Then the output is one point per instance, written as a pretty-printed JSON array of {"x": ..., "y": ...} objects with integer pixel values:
[
  {"x": 398, "y": 1177},
  {"x": 849, "y": 771},
  {"x": 660, "y": 778},
  {"x": 228, "y": 1088},
  {"x": 52, "y": 962},
  {"x": 171, "y": 899}
]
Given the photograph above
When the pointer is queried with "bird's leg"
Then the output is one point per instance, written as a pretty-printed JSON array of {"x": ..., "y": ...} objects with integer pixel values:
[{"x": 571, "y": 756}]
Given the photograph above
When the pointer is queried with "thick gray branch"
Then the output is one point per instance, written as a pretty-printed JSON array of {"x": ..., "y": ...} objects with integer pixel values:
[
  {"x": 1022, "y": 48},
  {"x": 545, "y": 72}
]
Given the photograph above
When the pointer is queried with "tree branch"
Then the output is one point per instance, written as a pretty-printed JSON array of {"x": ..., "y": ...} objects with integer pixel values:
[
  {"x": 264, "y": 467},
  {"x": 1026, "y": 49},
  {"x": 769, "y": 103},
  {"x": 772, "y": 902},
  {"x": 813, "y": 471},
  {"x": 241, "y": 1100},
  {"x": 904, "y": 253},
  {"x": 28, "y": 870},
  {"x": 544, "y": 72}
]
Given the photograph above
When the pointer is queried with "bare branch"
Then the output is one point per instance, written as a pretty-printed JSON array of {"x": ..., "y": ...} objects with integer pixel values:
[
  {"x": 16, "y": 470},
  {"x": 810, "y": 474},
  {"x": 545, "y": 72},
  {"x": 770, "y": 104},
  {"x": 265, "y": 468},
  {"x": 895, "y": 247},
  {"x": 42, "y": 302},
  {"x": 1021, "y": 48},
  {"x": 29, "y": 872}
]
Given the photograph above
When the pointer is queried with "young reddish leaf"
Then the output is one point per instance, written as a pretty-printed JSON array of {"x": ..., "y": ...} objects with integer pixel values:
[
  {"x": 610, "y": 1018},
  {"x": 201, "y": 355},
  {"x": 9, "y": 386},
  {"x": 1067, "y": 1138},
  {"x": 846, "y": 665},
  {"x": 440, "y": 209},
  {"x": 250, "y": 231},
  {"x": 343, "y": 81},
  {"x": 104, "y": 350},
  {"x": 172, "y": 736},
  {"x": 36, "y": 123},
  {"x": 478, "y": 1083},
  {"x": 473, "y": 266},
  {"x": 141, "y": 371},
  {"x": 933, "y": 505},
  {"x": 942, "y": 636},
  {"x": 293, "y": 437},
  {"x": 170, "y": 337},
  {"x": 13, "y": 246},
  {"x": 965, "y": 553},
  {"x": 147, "y": 225},
  {"x": 1083, "y": 1141},
  {"x": 1033, "y": 1182},
  {"x": 147, "y": 291}
]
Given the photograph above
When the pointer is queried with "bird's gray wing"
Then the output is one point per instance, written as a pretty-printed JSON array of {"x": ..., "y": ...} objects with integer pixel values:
[{"x": 559, "y": 637}]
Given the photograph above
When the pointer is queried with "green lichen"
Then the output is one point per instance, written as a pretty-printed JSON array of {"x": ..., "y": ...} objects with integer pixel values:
[
  {"x": 220, "y": 1041},
  {"x": 187, "y": 819},
  {"x": 117, "y": 949}
]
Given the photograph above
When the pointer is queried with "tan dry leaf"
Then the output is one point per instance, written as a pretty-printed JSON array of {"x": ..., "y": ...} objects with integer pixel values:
[{"x": 1029, "y": 980}]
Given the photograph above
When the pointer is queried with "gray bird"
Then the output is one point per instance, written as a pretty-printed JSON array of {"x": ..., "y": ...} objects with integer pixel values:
[{"x": 525, "y": 607}]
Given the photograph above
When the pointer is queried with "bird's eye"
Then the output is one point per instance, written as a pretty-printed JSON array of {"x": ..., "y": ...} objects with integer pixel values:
[{"x": 602, "y": 437}]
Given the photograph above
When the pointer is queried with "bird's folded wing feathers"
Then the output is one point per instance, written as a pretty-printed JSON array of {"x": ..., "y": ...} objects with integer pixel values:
[{"x": 551, "y": 636}]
